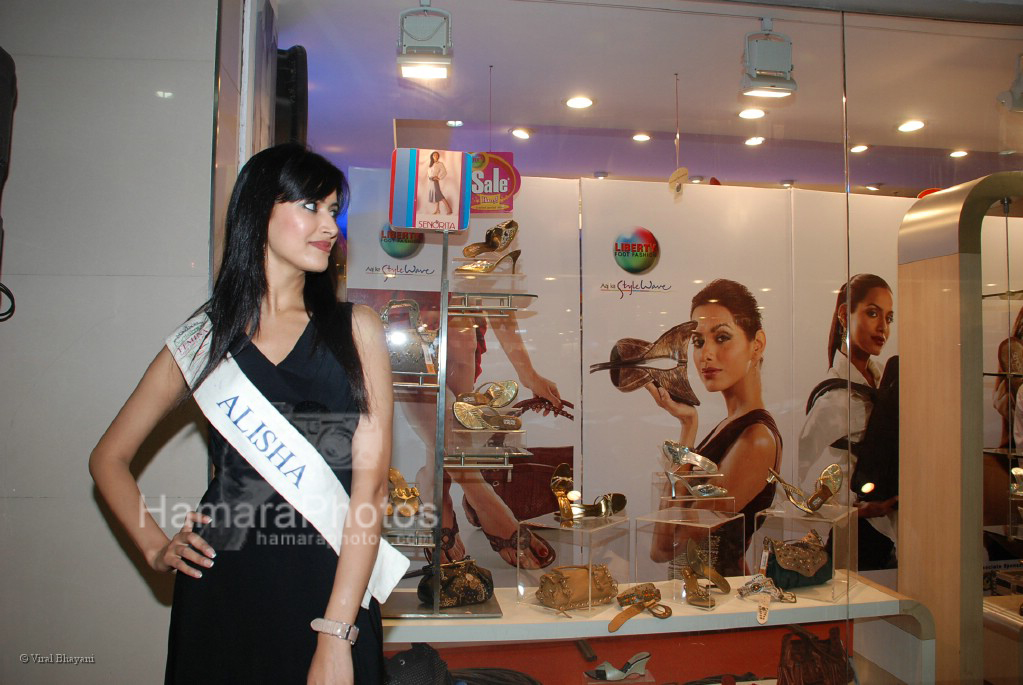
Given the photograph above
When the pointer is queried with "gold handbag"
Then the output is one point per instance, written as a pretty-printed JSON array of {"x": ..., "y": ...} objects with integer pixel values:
[
  {"x": 576, "y": 587},
  {"x": 411, "y": 348}
]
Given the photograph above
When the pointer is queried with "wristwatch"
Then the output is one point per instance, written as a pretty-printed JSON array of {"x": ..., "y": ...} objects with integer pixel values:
[{"x": 344, "y": 631}]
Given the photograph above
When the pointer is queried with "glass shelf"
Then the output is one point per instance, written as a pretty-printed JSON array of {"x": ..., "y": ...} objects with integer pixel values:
[
  {"x": 1003, "y": 451},
  {"x": 1004, "y": 374},
  {"x": 413, "y": 536},
  {"x": 414, "y": 379},
  {"x": 484, "y": 304},
  {"x": 1004, "y": 295},
  {"x": 484, "y": 457}
]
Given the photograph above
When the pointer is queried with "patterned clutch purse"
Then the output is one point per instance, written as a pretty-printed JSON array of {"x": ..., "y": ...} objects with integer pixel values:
[
  {"x": 576, "y": 587},
  {"x": 461, "y": 583},
  {"x": 798, "y": 563}
]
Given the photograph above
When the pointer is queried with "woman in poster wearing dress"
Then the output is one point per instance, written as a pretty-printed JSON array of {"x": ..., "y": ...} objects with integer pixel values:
[
  {"x": 435, "y": 173},
  {"x": 1007, "y": 393},
  {"x": 728, "y": 353},
  {"x": 259, "y": 596},
  {"x": 863, "y": 321}
]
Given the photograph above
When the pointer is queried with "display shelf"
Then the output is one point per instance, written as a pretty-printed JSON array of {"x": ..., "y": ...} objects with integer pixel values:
[
  {"x": 1004, "y": 295},
  {"x": 408, "y": 379},
  {"x": 1004, "y": 374},
  {"x": 406, "y": 604},
  {"x": 484, "y": 304},
  {"x": 1003, "y": 452},
  {"x": 416, "y": 536}
]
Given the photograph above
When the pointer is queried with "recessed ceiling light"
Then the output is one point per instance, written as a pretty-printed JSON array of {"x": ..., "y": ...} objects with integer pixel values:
[
  {"x": 641, "y": 137},
  {"x": 858, "y": 148},
  {"x": 455, "y": 123},
  {"x": 696, "y": 179},
  {"x": 787, "y": 183},
  {"x": 874, "y": 186},
  {"x": 751, "y": 113},
  {"x": 165, "y": 94},
  {"x": 600, "y": 174},
  {"x": 1006, "y": 153},
  {"x": 579, "y": 102},
  {"x": 911, "y": 125},
  {"x": 521, "y": 133},
  {"x": 958, "y": 153},
  {"x": 755, "y": 140}
]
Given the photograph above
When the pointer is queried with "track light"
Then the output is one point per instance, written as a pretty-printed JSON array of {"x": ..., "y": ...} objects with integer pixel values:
[
  {"x": 424, "y": 42},
  {"x": 1012, "y": 99},
  {"x": 768, "y": 62}
]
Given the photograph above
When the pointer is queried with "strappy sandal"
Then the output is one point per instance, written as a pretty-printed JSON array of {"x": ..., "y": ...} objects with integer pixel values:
[
  {"x": 485, "y": 266},
  {"x": 698, "y": 490},
  {"x": 484, "y": 418},
  {"x": 447, "y": 543},
  {"x": 403, "y": 499},
  {"x": 698, "y": 562},
  {"x": 828, "y": 485},
  {"x": 497, "y": 543},
  {"x": 498, "y": 394},
  {"x": 696, "y": 594},
  {"x": 545, "y": 406},
  {"x": 680, "y": 455},
  {"x": 497, "y": 239}
]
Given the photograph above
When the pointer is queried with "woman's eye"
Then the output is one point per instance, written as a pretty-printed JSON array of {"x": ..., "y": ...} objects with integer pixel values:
[
  {"x": 698, "y": 342},
  {"x": 722, "y": 338}
]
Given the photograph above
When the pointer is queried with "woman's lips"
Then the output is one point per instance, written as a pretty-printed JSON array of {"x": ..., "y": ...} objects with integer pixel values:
[
  {"x": 710, "y": 372},
  {"x": 324, "y": 245},
  {"x": 879, "y": 341}
]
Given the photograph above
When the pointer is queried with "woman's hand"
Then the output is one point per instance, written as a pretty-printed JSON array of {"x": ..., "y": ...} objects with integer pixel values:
[
  {"x": 869, "y": 510},
  {"x": 543, "y": 387},
  {"x": 332, "y": 662},
  {"x": 685, "y": 413},
  {"x": 185, "y": 545}
]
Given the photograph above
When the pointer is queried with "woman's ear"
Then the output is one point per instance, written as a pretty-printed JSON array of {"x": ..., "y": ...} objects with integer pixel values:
[
  {"x": 759, "y": 344},
  {"x": 843, "y": 312}
]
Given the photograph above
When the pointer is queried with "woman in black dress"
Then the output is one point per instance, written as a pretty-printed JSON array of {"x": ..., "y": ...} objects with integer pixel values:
[
  {"x": 729, "y": 344},
  {"x": 252, "y": 573}
]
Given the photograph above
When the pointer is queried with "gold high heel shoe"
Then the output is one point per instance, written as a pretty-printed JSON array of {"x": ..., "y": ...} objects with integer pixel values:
[
  {"x": 403, "y": 498},
  {"x": 828, "y": 485},
  {"x": 569, "y": 508},
  {"x": 498, "y": 238},
  {"x": 498, "y": 394},
  {"x": 479, "y": 418},
  {"x": 605, "y": 505},
  {"x": 485, "y": 266}
]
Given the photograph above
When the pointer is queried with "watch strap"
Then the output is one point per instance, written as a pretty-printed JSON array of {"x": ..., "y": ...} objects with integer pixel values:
[{"x": 339, "y": 629}]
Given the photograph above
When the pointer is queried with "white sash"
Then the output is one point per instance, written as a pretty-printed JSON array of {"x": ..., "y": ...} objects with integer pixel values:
[{"x": 275, "y": 448}]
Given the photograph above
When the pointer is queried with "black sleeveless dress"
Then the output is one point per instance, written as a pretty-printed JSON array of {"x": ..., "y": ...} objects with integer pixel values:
[
  {"x": 717, "y": 447},
  {"x": 247, "y": 619}
]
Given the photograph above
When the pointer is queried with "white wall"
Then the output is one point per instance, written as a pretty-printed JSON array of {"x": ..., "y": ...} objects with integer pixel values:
[{"x": 107, "y": 212}]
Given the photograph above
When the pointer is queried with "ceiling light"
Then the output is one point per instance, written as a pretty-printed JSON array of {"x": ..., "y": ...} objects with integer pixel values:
[
  {"x": 600, "y": 174},
  {"x": 1012, "y": 99},
  {"x": 958, "y": 153},
  {"x": 911, "y": 125},
  {"x": 696, "y": 179},
  {"x": 164, "y": 94},
  {"x": 579, "y": 102},
  {"x": 874, "y": 186},
  {"x": 755, "y": 140},
  {"x": 455, "y": 123},
  {"x": 787, "y": 183},
  {"x": 858, "y": 148},
  {"x": 751, "y": 113},
  {"x": 641, "y": 137},
  {"x": 1006, "y": 153},
  {"x": 768, "y": 64},
  {"x": 521, "y": 133},
  {"x": 424, "y": 42}
]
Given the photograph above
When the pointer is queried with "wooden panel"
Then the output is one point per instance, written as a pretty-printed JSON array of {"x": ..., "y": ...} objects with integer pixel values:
[{"x": 940, "y": 553}]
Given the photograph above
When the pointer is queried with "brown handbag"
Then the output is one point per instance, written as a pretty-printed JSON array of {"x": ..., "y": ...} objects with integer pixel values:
[
  {"x": 809, "y": 660},
  {"x": 461, "y": 583},
  {"x": 576, "y": 587}
]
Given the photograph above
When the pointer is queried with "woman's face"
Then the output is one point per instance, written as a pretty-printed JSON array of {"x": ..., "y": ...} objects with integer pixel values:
[
  {"x": 434, "y": 157},
  {"x": 871, "y": 321},
  {"x": 721, "y": 350},
  {"x": 301, "y": 234}
]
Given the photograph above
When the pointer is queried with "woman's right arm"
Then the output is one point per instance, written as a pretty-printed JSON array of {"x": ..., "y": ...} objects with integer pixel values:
[{"x": 156, "y": 394}]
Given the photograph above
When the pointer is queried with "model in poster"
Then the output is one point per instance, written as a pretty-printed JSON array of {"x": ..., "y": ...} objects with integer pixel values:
[
  {"x": 728, "y": 352},
  {"x": 435, "y": 173},
  {"x": 860, "y": 326},
  {"x": 254, "y": 575},
  {"x": 1006, "y": 393}
]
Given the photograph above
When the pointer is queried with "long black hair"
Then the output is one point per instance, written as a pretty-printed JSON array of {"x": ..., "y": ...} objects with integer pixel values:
[
  {"x": 283, "y": 173},
  {"x": 855, "y": 290}
]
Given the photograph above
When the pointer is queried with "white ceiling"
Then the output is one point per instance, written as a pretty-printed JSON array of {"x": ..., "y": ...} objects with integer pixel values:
[{"x": 624, "y": 54}]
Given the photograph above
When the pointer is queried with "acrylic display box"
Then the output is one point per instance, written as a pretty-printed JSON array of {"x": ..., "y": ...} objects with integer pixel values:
[
  {"x": 836, "y": 526},
  {"x": 586, "y": 542},
  {"x": 684, "y": 496},
  {"x": 663, "y": 541}
]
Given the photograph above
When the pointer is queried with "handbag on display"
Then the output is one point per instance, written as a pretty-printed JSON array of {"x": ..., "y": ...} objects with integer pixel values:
[
  {"x": 809, "y": 660},
  {"x": 798, "y": 563},
  {"x": 576, "y": 587},
  {"x": 411, "y": 347},
  {"x": 461, "y": 583}
]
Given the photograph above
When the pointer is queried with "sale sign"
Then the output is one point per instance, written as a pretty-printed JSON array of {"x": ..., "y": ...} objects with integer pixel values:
[{"x": 495, "y": 180}]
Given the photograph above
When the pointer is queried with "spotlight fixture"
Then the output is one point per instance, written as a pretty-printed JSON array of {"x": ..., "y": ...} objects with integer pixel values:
[
  {"x": 600, "y": 174},
  {"x": 755, "y": 140},
  {"x": 521, "y": 133},
  {"x": 641, "y": 137},
  {"x": 751, "y": 113},
  {"x": 958, "y": 153},
  {"x": 1012, "y": 99},
  {"x": 455, "y": 123},
  {"x": 911, "y": 125},
  {"x": 788, "y": 183},
  {"x": 768, "y": 62},
  {"x": 424, "y": 42},
  {"x": 696, "y": 179},
  {"x": 857, "y": 149},
  {"x": 579, "y": 102}
]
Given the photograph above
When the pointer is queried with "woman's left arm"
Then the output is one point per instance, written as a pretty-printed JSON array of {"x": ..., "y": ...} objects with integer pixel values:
[
  {"x": 371, "y": 459},
  {"x": 746, "y": 463}
]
